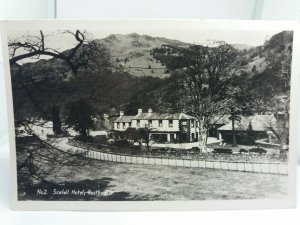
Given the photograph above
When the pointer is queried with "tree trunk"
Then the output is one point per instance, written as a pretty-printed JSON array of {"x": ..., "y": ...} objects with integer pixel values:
[
  {"x": 233, "y": 132},
  {"x": 283, "y": 151},
  {"x": 203, "y": 137},
  {"x": 56, "y": 120}
]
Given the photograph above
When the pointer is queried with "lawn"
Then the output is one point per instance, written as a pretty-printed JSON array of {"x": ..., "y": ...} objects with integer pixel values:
[{"x": 116, "y": 181}]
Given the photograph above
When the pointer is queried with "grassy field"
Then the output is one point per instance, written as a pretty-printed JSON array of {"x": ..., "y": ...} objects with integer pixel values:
[{"x": 143, "y": 182}]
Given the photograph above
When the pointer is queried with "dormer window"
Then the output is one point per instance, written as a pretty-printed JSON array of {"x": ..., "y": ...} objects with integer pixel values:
[
  {"x": 138, "y": 123},
  {"x": 170, "y": 123},
  {"x": 118, "y": 125},
  {"x": 150, "y": 123}
]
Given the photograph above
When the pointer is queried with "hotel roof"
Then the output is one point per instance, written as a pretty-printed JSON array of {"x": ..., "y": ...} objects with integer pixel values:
[{"x": 154, "y": 116}]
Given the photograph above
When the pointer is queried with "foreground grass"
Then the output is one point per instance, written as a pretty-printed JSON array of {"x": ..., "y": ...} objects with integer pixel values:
[{"x": 145, "y": 182}]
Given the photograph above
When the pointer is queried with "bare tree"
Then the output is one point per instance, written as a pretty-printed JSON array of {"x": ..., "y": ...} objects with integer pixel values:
[
  {"x": 85, "y": 53},
  {"x": 47, "y": 75},
  {"x": 41, "y": 83}
]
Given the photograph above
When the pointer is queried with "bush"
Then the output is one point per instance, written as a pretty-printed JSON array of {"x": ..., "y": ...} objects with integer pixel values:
[
  {"x": 196, "y": 149},
  {"x": 136, "y": 147},
  {"x": 222, "y": 150},
  {"x": 243, "y": 150},
  {"x": 258, "y": 150},
  {"x": 122, "y": 144},
  {"x": 84, "y": 138},
  {"x": 193, "y": 150}
]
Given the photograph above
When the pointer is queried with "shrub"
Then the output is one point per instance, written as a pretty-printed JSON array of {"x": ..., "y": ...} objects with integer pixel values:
[
  {"x": 258, "y": 150},
  {"x": 84, "y": 138},
  {"x": 196, "y": 149},
  {"x": 243, "y": 150},
  {"x": 122, "y": 144},
  {"x": 136, "y": 147},
  {"x": 222, "y": 150}
]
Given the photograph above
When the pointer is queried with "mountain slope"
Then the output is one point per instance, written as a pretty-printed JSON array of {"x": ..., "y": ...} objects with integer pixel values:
[{"x": 132, "y": 53}]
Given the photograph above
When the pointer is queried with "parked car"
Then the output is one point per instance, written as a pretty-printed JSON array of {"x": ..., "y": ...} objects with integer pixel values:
[
  {"x": 222, "y": 150},
  {"x": 258, "y": 150}
]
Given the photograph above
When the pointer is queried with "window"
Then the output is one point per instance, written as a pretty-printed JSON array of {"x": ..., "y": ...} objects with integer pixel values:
[
  {"x": 170, "y": 123},
  {"x": 138, "y": 123},
  {"x": 118, "y": 125},
  {"x": 192, "y": 123},
  {"x": 150, "y": 123},
  {"x": 129, "y": 124},
  {"x": 124, "y": 125},
  {"x": 160, "y": 123}
]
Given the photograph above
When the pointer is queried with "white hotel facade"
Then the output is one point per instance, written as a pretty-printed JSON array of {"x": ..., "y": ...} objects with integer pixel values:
[{"x": 162, "y": 127}]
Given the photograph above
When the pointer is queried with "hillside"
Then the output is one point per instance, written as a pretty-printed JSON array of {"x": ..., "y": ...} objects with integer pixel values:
[
  {"x": 132, "y": 53},
  {"x": 279, "y": 44}
]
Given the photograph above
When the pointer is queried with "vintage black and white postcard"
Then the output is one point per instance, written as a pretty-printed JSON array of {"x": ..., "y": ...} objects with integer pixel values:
[{"x": 152, "y": 114}]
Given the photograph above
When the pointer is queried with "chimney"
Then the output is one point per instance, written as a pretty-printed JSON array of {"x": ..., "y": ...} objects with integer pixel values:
[
  {"x": 150, "y": 111},
  {"x": 140, "y": 111},
  {"x": 121, "y": 113}
]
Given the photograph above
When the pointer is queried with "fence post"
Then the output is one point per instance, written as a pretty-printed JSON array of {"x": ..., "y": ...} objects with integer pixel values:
[{"x": 260, "y": 167}]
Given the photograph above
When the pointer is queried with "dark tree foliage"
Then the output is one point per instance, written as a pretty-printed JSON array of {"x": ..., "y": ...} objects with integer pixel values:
[
  {"x": 79, "y": 116},
  {"x": 202, "y": 74},
  {"x": 145, "y": 94}
]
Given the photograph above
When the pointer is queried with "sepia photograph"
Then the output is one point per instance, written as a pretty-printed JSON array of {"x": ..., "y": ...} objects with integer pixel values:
[{"x": 151, "y": 115}]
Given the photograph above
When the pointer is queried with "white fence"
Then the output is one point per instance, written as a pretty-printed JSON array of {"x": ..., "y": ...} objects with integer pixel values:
[{"x": 257, "y": 167}]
